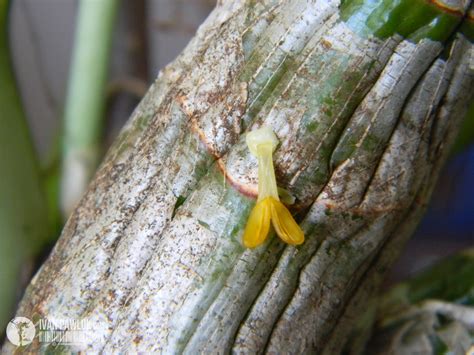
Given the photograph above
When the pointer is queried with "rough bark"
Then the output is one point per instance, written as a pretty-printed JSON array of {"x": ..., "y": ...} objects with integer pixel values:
[{"x": 365, "y": 109}]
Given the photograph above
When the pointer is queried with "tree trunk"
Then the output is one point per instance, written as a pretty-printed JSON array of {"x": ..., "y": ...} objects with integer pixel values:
[{"x": 365, "y": 98}]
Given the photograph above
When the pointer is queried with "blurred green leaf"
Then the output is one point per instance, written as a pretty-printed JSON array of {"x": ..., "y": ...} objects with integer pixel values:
[
  {"x": 24, "y": 223},
  {"x": 430, "y": 313},
  {"x": 466, "y": 132}
]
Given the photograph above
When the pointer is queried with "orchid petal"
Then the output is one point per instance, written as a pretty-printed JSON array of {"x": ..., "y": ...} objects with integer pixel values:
[
  {"x": 285, "y": 225},
  {"x": 258, "y": 224}
]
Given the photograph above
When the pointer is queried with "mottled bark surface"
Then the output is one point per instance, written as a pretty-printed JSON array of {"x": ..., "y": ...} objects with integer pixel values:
[{"x": 152, "y": 255}]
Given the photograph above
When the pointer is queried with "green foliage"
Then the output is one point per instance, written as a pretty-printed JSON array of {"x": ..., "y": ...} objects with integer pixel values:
[
  {"x": 413, "y": 19},
  {"x": 84, "y": 112},
  {"x": 450, "y": 280},
  {"x": 466, "y": 133},
  {"x": 24, "y": 223},
  {"x": 431, "y": 312}
]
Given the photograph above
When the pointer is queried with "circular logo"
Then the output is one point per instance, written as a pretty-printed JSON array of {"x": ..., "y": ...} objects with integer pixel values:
[{"x": 20, "y": 331}]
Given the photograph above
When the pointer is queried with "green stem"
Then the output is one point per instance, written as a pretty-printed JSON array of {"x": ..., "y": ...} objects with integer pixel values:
[
  {"x": 24, "y": 224},
  {"x": 84, "y": 111}
]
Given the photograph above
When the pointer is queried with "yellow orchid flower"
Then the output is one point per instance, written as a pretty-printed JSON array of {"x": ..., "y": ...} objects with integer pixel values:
[{"x": 262, "y": 142}]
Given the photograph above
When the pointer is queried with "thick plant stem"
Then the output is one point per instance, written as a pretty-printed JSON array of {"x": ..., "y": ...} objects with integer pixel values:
[
  {"x": 364, "y": 106},
  {"x": 84, "y": 111},
  {"x": 24, "y": 222}
]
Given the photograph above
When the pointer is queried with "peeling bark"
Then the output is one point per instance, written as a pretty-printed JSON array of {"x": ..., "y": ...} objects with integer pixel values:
[{"x": 152, "y": 254}]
